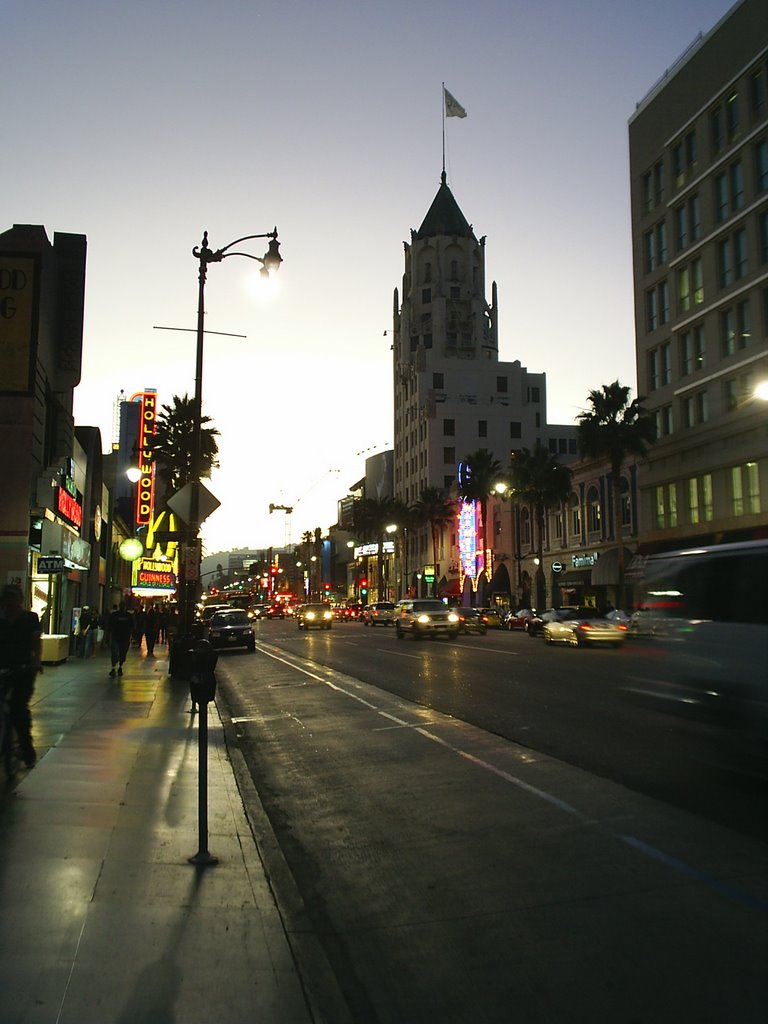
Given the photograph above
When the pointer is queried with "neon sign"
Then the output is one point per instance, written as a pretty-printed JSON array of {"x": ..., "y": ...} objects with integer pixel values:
[
  {"x": 468, "y": 539},
  {"x": 145, "y": 491}
]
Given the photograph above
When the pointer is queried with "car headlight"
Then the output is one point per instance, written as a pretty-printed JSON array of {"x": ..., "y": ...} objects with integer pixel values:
[
  {"x": 310, "y": 615},
  {"x": 453, "y": 617},
  {"x": 424, "y": 619},
  {"x": 327, "y": 615}
]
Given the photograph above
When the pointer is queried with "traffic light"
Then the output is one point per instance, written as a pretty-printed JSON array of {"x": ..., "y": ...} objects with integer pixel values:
[{"x": 363, "y": 588}]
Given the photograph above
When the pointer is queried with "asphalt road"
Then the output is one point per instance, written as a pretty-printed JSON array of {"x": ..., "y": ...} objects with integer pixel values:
[{"x": 492, "y": 828}]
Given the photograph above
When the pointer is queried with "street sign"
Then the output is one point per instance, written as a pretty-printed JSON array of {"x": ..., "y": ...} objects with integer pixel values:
[
  {"x": 558, "y": 567},
  {"x": 181, "y": 502},
  {"x": 48, "y": 564}
]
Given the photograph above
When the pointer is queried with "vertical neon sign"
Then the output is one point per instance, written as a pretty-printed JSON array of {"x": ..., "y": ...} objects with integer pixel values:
[
  {"x": 145, "y": 492},
  {"x": 468, "y": 539}
]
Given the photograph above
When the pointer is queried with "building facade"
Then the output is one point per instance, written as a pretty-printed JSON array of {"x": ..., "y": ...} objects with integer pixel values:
[
  {"x": 699, "y": 196},
  {"x": 452, "y": 394}
]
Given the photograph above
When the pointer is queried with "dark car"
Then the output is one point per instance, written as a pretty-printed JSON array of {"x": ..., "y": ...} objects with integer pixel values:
[
  {"x": 471, "y": 621},
  {"x": 231, "y": 629},
  {"x": 423, "y": 618},
  {"x": 318, "y": 616}
]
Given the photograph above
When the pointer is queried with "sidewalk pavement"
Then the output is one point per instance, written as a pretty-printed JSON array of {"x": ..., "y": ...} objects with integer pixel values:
[{"x": 103, "y": 917}]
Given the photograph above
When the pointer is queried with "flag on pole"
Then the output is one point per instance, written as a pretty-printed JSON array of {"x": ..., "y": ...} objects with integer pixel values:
[{"x": 452, "y": 106}]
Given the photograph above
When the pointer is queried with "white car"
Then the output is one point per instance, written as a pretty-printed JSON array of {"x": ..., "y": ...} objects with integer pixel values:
[
  {"x": 580, "y": 631},
  {"x": 382, "y": 613}
]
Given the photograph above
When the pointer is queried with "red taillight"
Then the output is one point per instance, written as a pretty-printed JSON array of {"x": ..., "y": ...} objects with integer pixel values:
[{"x": 621, "y": 625}]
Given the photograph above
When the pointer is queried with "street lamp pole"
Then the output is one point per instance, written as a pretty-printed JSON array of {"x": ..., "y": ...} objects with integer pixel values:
[{"x": 205, "y": 255}]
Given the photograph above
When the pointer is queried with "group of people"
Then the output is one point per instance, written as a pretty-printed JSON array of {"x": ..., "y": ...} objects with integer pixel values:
[{"x": 147, "y": 624}]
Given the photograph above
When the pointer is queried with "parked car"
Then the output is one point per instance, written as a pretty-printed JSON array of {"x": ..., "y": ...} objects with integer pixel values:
[
  {"x": 579, "y": 629},
  {"x": 491, "y": 617},
  {"x": 317, "y": 616},
  {"x": 381, "y": 613},
  {"x": 231, "y": 628},
  {"x": 424, "y": 617},
  {"x": 517, "y": 620},
  {"x": 471, "y": 621}
]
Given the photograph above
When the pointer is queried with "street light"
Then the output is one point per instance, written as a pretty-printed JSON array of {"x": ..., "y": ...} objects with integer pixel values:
[{"x": 271, "y": 260}]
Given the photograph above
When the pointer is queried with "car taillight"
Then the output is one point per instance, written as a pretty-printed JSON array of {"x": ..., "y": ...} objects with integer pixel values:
[{"x": 621, "y": 625}]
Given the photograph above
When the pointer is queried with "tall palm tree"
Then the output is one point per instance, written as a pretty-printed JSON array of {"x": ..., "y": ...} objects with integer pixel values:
[
  {"x": 615, "y": 429},
  {"x": 436, "y": 510},
  {"x": 480, "y": 475},
  {"x": 370, "y": 518},
  {"x": 173, "y": 444},
  {"x": 542, "y": 482}
]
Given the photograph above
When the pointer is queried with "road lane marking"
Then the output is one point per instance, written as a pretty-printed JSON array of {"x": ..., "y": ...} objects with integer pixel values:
[{"x": 645, "y": 849}]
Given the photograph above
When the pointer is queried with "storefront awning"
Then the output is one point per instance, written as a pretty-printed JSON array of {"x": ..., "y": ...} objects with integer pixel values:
[
  {"x": 606, "y": 570},
  {"x": 449, "y": 588}
]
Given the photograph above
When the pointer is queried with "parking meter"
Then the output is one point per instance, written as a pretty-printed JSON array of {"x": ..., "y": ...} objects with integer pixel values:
[{"x": 202, "y": 677}]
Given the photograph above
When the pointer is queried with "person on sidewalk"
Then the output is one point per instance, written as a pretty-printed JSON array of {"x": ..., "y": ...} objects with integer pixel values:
[
  {"x": 89, "y": 622},
  {"x": 20, "y": 650},
  {"x": 150, "y": 631},
  {"x": 120, "y": 631}
]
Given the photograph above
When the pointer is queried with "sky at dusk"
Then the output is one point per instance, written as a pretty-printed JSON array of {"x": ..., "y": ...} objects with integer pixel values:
[{"x": 141, "y": 124}]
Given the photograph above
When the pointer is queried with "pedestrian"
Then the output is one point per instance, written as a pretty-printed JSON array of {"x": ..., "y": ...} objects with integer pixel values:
[
  {"x": 120, "y": 631},
  {"x": 89, "y": 622},
  {"x": 162, "y": 625},
  {"x": 138, "y": 626},
  {"x": 150, "y": 631},
  {"x": 20, "y": 650}
]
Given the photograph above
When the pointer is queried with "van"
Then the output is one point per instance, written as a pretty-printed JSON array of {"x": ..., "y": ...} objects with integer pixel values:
[{"x": 706, "y": 611}]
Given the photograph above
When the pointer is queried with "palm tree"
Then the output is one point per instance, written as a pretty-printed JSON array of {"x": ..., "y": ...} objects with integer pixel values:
[
  {"x": 173, "y": 444},
  {"x": 370, "y": 518},
  {"x": 436, "y": 510},
  {"x": 481, "y": 474},
  {"x": 541, "y": 481},
  {"x": 615, "y": 429}
]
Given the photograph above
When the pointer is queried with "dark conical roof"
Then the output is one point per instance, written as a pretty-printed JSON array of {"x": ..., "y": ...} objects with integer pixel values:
[{"x": 444, "y": 216}]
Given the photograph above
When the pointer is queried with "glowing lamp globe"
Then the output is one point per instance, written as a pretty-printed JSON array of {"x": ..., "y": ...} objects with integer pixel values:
[{"x": 131, "y": 549}]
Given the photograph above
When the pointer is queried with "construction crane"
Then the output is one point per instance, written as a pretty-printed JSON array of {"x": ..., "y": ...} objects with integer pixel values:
[{"x": 288, "y": 509}]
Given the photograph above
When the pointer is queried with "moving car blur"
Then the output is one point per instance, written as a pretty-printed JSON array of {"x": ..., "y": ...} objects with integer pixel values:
[
  {"x": 422, "y": 618},
  {"x": 579, "y": 629},
  {"x": 317, "y": 616},
  {"x": 471, "y": 621},
  {"x": 491, "y": 617}
]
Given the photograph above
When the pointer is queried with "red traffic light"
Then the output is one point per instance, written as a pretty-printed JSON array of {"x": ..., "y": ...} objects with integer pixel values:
[{"x": 363, "y": 583}]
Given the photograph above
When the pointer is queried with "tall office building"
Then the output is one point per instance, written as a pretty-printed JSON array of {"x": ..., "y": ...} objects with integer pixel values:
[
  {"x": 699, "y": 193},
  {"x": 452, "y": 395}
]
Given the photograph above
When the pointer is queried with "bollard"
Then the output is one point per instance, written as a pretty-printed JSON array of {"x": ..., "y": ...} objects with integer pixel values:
[{"x": 201, "y": 662}]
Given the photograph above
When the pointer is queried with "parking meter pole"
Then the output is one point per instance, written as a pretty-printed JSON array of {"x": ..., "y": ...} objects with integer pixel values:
[
  {"x": 202, "y": 856},
  {"x": 200, "y": 663}
]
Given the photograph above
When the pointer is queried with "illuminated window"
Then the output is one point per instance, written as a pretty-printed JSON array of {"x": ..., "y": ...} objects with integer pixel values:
[
  {"x": 693, "y": 501},
  {"x": 672, "y": 503}
]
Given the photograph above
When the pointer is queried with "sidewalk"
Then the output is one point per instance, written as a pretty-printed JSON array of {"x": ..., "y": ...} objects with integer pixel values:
[{"x": 103, "y": 917}]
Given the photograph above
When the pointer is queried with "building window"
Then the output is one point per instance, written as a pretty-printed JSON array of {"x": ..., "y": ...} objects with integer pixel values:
[
  {"x": 761, "y": 165},
  {"x": 593, "y": 511},
  {"x": 732, "y": 116},
  {"x": 454, "y": 270},
  {"x": 693, "y": 501},
  {"x": 753, "y": 487},
  {"x": 427, "y": 273},
  {"x": 724, "y": 266},
  {"x": 455, "y": 292},
  {"x": 721, "y": 198},
  {"x": 672, "y": 504},
  {"x": 515, "y": 429},
  {"x": 695, "y": 409},
  {"x": 757, "y": 93},
  {"x": 737, "y": 494},
  {"x": 501, "y": 385},
  {"x": 762, "y": 226},
  {"x": 659, "y": 516},
  {"x": 740, "y": 268},
  {"x": 426, "y": 295},
  {"x": 664, "y": 302},
  {"x": 736, "y": 174},
  {"x": 449, "y": 428},
  {"x": 651, "y": 310},
  {"x": 574, "y": 517},
  {"x": 525, "y": 528},
  {"x": 666, "y": 363},
  {"x": 534, "y": 394},
  {"x": 449, "y": 456},
  {"x": 482, "y": 428},
  {"x": 438, "y": 381},
  {"x": 625, "y": 505},
  {"x": 663, "y": 419},
  {"x": 707, "y": 505},
  {"x": 717, "y": 130},
  {"x": 728, "y": 332},
  {"x": 653, "y": 369}
]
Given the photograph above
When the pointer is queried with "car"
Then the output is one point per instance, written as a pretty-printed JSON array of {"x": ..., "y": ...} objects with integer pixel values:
[
  {"x": 423, "y": 617},
  {"x": 231, "y": 628},
  {"x": 579, "y": 629},
  {"x": 518, "y": 620},
  {"x": 317, "y": 616},
  {"x": 257, "y": 611},
  {"x": 491, "y": 617},
  {"x": 207, "y": 611},
  {"x": 382, "y": 613},
  {"x": 471, "y": 621},
  {"x": 535, "y": 625}
]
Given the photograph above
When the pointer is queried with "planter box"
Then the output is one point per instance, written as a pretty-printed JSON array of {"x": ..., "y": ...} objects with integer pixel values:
[{"x": 55, "y": 648}]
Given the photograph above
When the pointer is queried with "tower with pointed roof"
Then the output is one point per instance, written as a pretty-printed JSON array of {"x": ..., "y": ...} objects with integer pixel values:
[{"x": 452, "y": 395}]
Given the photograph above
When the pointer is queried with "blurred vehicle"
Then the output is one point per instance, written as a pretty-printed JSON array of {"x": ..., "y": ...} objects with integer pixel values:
[
  {"x": 257, "y": 611},
  {"x": 317, "y": 616},
  {"x": 275, "y": 611},
  {"x": 382, "y": 613},
  {"x": 491, "y": 617},
  {"x": 353, "y": 612},
  {"x": 534, "y": 626},
  {"x": 209, "y": 610},
  {"x": 518, "y": 620},
  {"x": 705, "y": 610},
  {"x": 471, "y": 621},
  {"x": 616, "y": 615},
  {"x": 423, "y": 617},
  {"x": 231, "y": 628},
  {"x": 579, "y": 629}
]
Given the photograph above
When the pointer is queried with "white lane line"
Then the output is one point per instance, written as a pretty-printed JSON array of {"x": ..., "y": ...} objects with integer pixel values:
[{"x": 681, "y": 867}]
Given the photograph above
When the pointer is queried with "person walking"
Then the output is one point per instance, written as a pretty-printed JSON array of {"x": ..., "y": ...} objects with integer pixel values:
[
  {"x": 20, "y": 650},
  {"x": 150, "y": 631},
  {"x": 120, "y": 631},
  {"x": 89, "y": 622},
  {"x": 162, "y": 625}
]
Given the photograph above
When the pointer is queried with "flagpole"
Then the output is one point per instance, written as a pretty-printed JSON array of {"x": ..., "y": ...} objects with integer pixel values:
[{"x": 443, "y": 98}]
